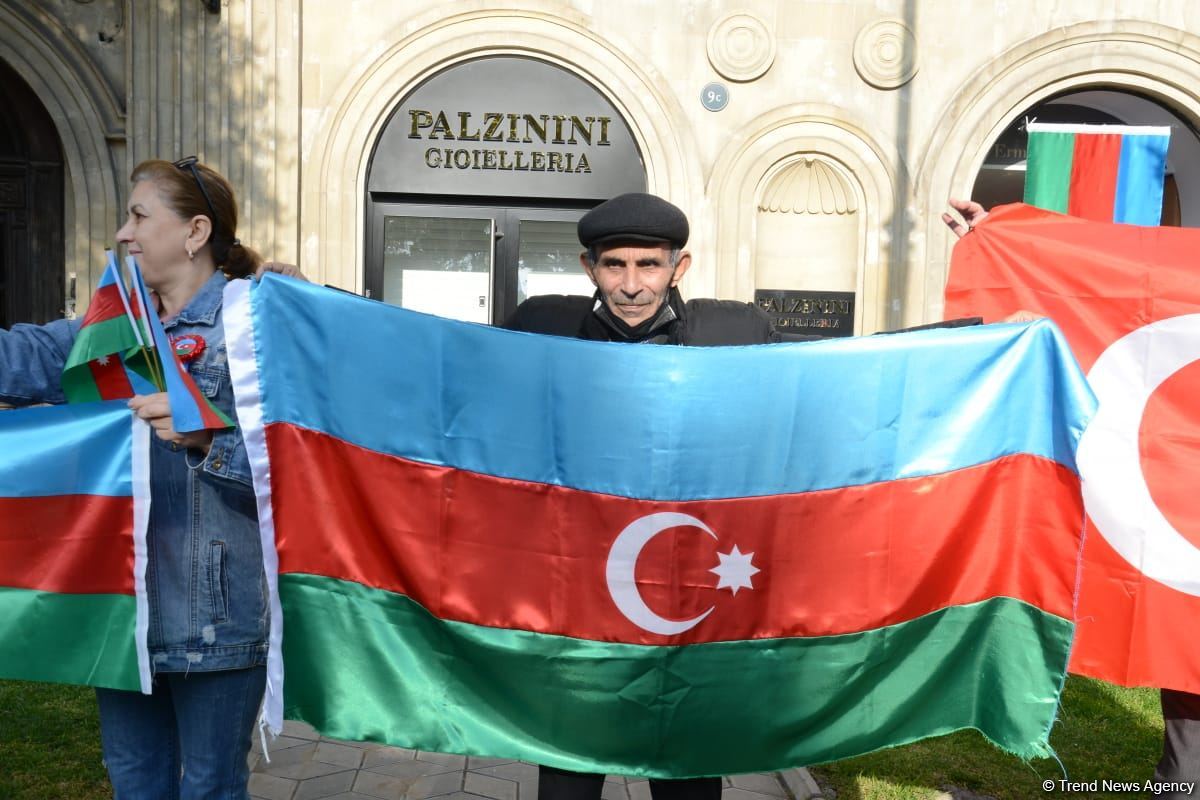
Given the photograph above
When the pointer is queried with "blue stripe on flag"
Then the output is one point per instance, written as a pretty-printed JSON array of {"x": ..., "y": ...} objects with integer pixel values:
[
  {"x": 81, "y": 448},
  {"x": 1140, "y": 179},
  {"x": 111, "y": 273},
  {"x": 642, "y": 421}
]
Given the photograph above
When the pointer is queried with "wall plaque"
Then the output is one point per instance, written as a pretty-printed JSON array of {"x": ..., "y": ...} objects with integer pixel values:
[
  {"x": 504, "y": 126},
  {"x": 811, "y": 313},
  {"x": 714, "y": 96}
]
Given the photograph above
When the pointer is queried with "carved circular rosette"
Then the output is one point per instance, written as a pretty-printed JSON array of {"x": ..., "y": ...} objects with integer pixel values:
[
  {"x": 885, "y": 54},
  {"x": 740, "y": 47}
]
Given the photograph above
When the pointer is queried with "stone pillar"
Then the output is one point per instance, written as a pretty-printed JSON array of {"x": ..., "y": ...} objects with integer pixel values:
[{"x": 224, "y": 87}]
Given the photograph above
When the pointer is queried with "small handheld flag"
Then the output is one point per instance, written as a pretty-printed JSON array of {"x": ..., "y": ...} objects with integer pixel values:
[
  {"x": 190, "y": 410},
  {"x": 107, "y": 361},
  {"x": 1105, "y": 173}
]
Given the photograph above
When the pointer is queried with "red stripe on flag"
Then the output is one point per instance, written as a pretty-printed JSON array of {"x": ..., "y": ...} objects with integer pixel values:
[
  {"x": 111, "y": 380},
  {"x": 1094, "y": 176},
  {"x": 76, "y": 544},
  {"x": 204, "y": 406},
  {"x": 509, "y": 554},
  {"x": 106, "y": 304}
]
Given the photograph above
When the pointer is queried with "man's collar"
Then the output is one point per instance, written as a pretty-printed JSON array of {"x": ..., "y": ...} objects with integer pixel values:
[{"x": 671, "y": 310}]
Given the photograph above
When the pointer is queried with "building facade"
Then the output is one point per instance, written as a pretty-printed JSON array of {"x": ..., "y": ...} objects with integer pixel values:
[{"x": 437, "y": 156}]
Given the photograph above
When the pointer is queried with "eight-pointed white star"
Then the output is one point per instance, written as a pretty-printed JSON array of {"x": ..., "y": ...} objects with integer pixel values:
[
  {"x": 735, "y": 570},
  {"x": 102, "y": 361}
]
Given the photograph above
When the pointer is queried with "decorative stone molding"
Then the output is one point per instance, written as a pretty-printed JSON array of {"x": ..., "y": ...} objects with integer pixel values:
[
  {"x": 85, "y": 116},
  {"x": 885, "y": 54},
  {"x": 810, "y": 186},
  {"x": 741, "y": 47},
  {"x": 1153, "y": 60},
  {"x": 333, "y": 201},
  {"x": 779, "y": 142}
]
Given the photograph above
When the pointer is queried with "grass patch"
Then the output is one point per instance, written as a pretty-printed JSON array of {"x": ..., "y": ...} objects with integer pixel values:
[
  {"x": 50, "y": 743},
  {"x": 1103, "y": 731},
  {"x": 50, "y": 749}
]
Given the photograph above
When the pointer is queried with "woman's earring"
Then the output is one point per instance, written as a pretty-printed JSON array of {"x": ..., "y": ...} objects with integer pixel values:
[{"x": 191, "y": 255}]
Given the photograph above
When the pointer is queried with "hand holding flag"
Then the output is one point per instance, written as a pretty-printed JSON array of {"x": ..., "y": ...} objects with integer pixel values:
[{"x": 190, "y": 410}]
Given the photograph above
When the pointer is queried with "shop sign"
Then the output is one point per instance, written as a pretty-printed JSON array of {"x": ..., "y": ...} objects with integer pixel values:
[
  {"x": 808, "y": 312},
  {"x": 507, "y": 127}
]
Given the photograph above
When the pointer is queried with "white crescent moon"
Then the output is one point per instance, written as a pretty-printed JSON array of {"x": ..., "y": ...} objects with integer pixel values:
[
  {"x": 622, "y": 559},
  {"x": 1115, "y": 493}
]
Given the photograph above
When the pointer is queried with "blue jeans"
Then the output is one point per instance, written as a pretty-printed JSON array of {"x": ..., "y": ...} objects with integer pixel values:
[{"x": 189, "y": 740}]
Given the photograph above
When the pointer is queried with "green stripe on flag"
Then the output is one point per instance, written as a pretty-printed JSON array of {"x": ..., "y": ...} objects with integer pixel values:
[
  {"x": 85, "y": 639},
  {"x": 1048, "y": 170},
  {"x": 366, "y": 664},
  {"x": 79, "y": 385},
  {"x": 101, "y": 339}
]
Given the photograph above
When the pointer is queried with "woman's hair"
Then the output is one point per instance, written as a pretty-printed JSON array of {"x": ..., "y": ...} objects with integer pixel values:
[{"x": 181, "y": 190}]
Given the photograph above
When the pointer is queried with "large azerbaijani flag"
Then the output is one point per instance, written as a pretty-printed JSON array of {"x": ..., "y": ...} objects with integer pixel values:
[
  {"x": 658, "y": 561},
  {"x": 1128, "y": 301},
  {"x": 74, "y": 501},
  {"x": 1106, "y": 173}
]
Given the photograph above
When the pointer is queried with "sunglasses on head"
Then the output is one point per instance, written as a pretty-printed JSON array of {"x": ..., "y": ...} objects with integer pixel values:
[{"x": 189, "y": 165}]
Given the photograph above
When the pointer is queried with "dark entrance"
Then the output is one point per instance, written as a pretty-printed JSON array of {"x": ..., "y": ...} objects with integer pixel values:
[
  {"x": 31, "y": 206},
  {"x": 1002, "y": 176},
  {"x": 477, "y": 181}
]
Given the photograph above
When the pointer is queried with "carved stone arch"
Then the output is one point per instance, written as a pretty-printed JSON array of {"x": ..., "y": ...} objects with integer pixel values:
[
  {"x": 1147, "y": 58},
  {"x": 776, "y": 143},
  {"x": 334, "y": 176},
  {"x": 86, "y": 116},
  {"x": 809, "y": 204}
]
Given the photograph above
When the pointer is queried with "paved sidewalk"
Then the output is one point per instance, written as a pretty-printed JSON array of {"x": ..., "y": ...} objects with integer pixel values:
[{"x": 305, "y": 766}]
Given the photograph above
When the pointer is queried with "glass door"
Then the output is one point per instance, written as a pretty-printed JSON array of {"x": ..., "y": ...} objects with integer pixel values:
[
  {"x": 542, "y": 250},
  {"x": 439, "y": 262},
  {"x": 473, "y": 263}
]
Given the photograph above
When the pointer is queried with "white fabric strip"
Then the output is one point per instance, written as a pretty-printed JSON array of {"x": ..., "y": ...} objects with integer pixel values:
[
  {"x": 140, "y": 480},
  {"x": 243, "y": 371},
  {"x": 1124, "y": 130}
]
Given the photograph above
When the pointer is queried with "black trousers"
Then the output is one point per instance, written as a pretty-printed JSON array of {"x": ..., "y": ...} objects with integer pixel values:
[
  {"x": 1181, "y": 739},
  {"x": 559, "y": 784}
]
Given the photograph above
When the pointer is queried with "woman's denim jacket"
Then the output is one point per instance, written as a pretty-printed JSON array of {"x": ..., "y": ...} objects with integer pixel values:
[{"x": 207, "y": 592}]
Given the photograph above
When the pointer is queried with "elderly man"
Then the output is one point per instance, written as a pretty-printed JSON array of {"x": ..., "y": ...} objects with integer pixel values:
[{"x": 635, "y": 258}]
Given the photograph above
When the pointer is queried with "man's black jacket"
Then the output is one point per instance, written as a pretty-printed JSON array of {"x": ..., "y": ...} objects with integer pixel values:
[{"x": 701, "y": 323}]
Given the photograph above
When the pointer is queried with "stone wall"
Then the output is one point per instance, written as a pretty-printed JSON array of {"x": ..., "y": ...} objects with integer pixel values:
[{"x": 287, "y": 97}]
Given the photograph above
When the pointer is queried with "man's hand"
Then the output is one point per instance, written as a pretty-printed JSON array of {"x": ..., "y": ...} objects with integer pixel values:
[
  {"x": 156, "y": 410},
  {"x": 290, "y": 270},
  {"x": 972, "y": 213},
  {"x": 1022, "y": 316}
]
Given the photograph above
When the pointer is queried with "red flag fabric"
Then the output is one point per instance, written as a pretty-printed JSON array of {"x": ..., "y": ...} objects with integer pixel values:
[{"x": 1128, "y": 300}]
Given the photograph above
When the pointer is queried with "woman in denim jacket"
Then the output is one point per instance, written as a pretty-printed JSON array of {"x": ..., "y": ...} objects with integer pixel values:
[{"x": 207, "y": 595}]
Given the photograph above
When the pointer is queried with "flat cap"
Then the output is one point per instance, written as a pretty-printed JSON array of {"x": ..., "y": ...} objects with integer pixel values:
[{"x": 634, "y": 217}]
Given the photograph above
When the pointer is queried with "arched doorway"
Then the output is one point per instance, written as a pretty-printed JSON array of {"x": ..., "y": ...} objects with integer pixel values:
[
  {"x": 31, "y": 206},
  {"x": 1002, "y": 176},
  {"x": 476, "y": 183}
]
